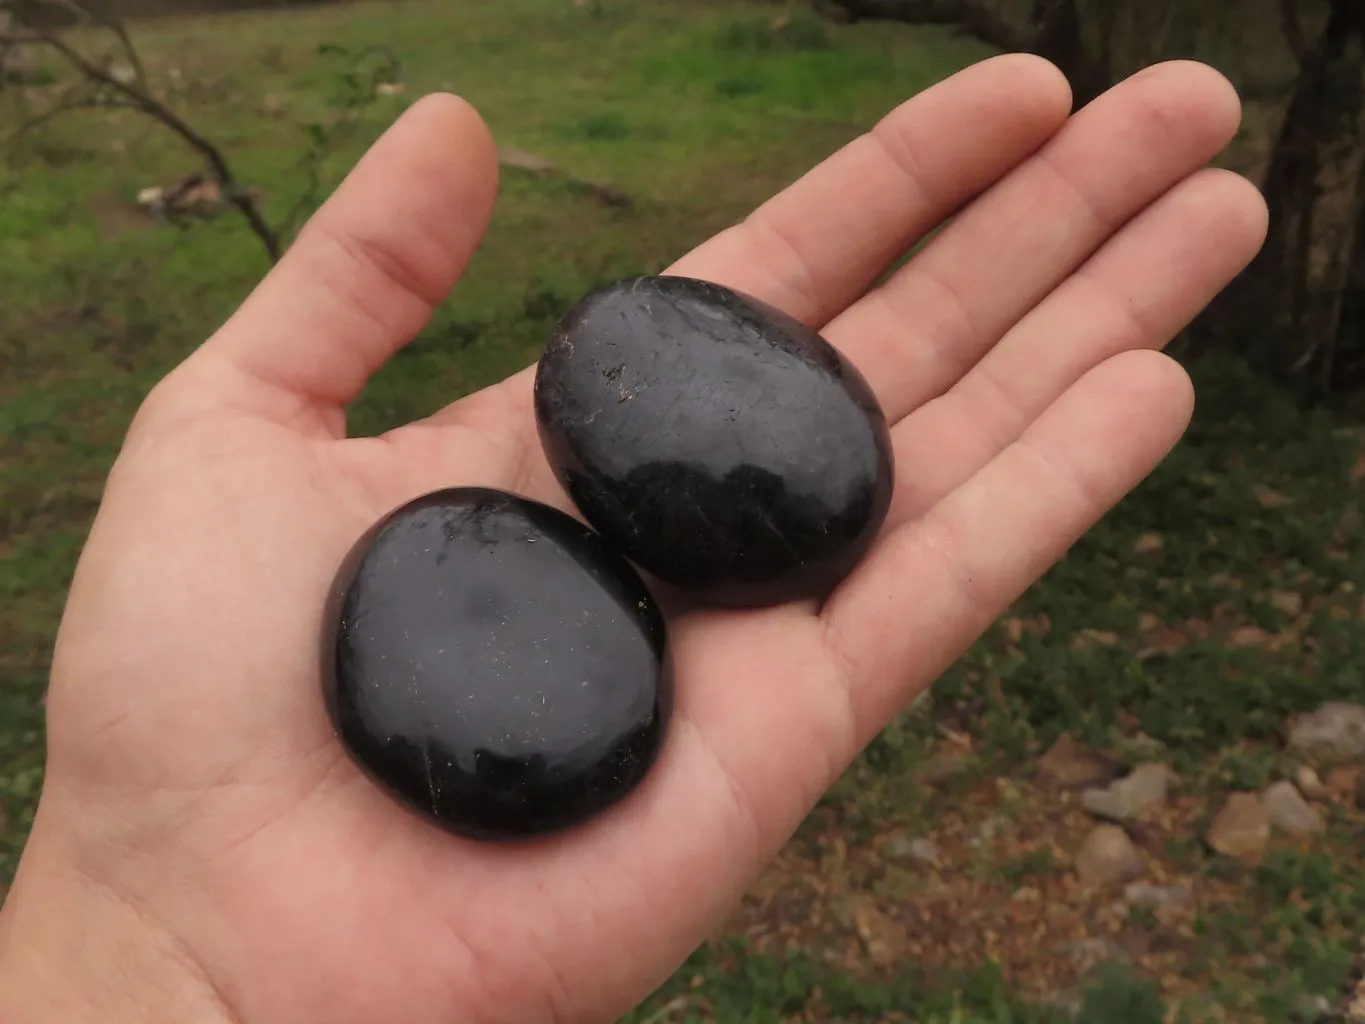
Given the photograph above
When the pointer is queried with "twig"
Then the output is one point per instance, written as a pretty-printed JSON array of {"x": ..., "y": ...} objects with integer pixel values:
[
  {"x": 65, "y": 105},
  {"x": 138, "y": 97}
]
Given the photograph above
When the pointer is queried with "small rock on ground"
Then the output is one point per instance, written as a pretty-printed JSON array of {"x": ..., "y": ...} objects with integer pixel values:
[
  {"x": 1242, "y": 828},
  {"x": 1335, "y": 730},
  {"x": 1127, "y": 798},
  {"x": 1144, "y": 894},
  {"x": 1070, "y": 765},
  {"x": 1289, "y": 811},
  {"x": 1309, "y": 783},
  {"x": 1109, "y": 857}
]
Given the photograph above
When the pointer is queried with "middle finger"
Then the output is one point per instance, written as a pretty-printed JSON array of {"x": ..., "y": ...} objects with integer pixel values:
[{"x": 918, "y": 333}]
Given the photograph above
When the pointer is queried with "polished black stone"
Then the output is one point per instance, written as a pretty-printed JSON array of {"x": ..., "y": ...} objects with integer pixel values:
[
  {"x": 493, "y": 665},
  {"x": 721, "y": 445}
]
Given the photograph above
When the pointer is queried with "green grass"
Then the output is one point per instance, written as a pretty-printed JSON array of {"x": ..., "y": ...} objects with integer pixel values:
[
  {"x": 728, "y": 983},
  {"x": 698, "y": 112}
]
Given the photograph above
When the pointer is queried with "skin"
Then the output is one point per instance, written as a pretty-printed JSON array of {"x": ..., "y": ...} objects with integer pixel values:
[{"x": 204, "y": 850}]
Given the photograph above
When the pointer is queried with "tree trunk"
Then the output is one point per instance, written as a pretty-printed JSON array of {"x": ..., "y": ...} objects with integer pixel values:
[
  {"x": 1058, "y": 38},
  {"x": 1054, "y": 33},
  {"x": 1290, "y": 312}
]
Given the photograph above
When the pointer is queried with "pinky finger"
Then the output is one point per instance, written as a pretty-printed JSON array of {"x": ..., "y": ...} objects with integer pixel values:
[{"x": 932, "y": 586}]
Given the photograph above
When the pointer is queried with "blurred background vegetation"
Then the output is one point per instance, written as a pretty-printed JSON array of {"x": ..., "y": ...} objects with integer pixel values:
[{"x": 999, "y": 854}]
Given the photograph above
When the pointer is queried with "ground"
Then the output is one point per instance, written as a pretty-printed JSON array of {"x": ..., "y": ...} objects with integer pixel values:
[{"x": 942, "y": 879}]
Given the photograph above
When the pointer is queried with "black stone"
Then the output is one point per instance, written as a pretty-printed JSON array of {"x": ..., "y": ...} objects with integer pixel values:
[
  {"x": 721, "y": 445},
  {"x": 493, "y": 665}
]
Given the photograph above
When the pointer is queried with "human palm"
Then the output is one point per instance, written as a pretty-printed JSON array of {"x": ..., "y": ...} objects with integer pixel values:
[{"x": 194, "y": 777}]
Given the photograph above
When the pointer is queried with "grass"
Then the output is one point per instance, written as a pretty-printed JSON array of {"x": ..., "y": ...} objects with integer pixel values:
[{"x": 1220, "y": 599}]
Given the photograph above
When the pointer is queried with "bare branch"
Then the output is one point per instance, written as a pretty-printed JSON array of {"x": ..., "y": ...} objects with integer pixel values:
[
  {"x": 70, "y": 100},
  {"x": 136, "y": 95}
]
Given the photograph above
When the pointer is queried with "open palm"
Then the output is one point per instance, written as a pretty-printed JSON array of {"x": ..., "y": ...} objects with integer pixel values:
[{"x": 194, "y": 776}]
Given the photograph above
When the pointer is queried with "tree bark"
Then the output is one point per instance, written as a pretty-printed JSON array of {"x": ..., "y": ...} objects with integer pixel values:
[
  {"x": 1290, "y": 312},
  {"x": 1054, "y": 32}
]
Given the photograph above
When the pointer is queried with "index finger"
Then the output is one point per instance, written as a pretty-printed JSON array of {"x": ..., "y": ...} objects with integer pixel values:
[{"x": 819, "y": 244}]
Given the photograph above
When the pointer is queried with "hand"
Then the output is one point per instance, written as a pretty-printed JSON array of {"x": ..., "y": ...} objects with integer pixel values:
[{"x": 205, "y": 850}]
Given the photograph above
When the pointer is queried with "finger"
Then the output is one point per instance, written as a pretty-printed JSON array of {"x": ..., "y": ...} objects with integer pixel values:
[
  {"x": 820, "y": 243},
  {"x": 366, "y": 271},
  {"x": 1140, "y": 290},
  {"x": 933, "y": 585},
  {"x": 918, "y": 333}
]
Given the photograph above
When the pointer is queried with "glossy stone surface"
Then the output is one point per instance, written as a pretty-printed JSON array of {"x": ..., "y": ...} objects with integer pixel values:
[
  {"x": 493, "y": 665},
  {"x": 718, "y": 443}
]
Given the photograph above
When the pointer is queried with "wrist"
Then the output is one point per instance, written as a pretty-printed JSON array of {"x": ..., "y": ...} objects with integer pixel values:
[{"x": 75, "y": 949}]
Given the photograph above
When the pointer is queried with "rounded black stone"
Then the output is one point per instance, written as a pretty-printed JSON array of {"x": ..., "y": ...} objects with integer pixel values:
[
  {"x": 493, "y": 665},
  {"x": 720, "y": 444}
]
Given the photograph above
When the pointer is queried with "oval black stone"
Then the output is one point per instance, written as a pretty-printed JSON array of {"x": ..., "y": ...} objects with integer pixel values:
[
  {"x": 720, "y": 444},
  {"x": 493, "y": 665}
]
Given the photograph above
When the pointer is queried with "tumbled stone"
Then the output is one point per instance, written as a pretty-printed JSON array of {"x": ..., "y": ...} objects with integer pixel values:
[
  {"x": 494, "y": 666},
  {"x": 1310, "y": 783},
  {"x": 1144, "y": 894},
  {"x": 1069, "y": 764},
  {"x": 718, "y": 443}
]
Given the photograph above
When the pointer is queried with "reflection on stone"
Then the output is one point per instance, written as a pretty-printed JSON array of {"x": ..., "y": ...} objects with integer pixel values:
[
  {"x": 494, "y": 666},
  {"x": 718, "y": 443}
]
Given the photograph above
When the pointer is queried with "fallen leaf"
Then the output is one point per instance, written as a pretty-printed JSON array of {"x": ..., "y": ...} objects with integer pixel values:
[
  {"x": 1088, "y": 638},
  {"x": 1249, "y": 636},
  {"x": 1287, "y": 601},
  {"x": 1148, "y": 543},
  {"x": 1269, "y": 497}
]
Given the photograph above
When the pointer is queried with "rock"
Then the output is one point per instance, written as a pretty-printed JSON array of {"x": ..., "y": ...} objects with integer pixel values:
[
  {"x": 1287, "y": 601},
  {"x": 493, "y": 665},
  {"x": 901, "y": 847},
  {"x": 718, "y": 443},
  {"x": 1289, "y": 811},
  {"x": 1249, "y": 636},
  {"x": 1242, "y": 828},
  {"x": 1143, "y": 894},
  {"x": 1336, "y": 731},
  {"x": 1126, "y": 799},
  {"x": 1310, "y": 785},
  {"x": 1109, "y": 857},
  {"x": 884, "y": 937},
  {"x": 1070, "y": 765},
  {"x": 1312, "y": 1009},
  {"x": 1345, "y": 782},
  {"x": 1269, "y": 497}
]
